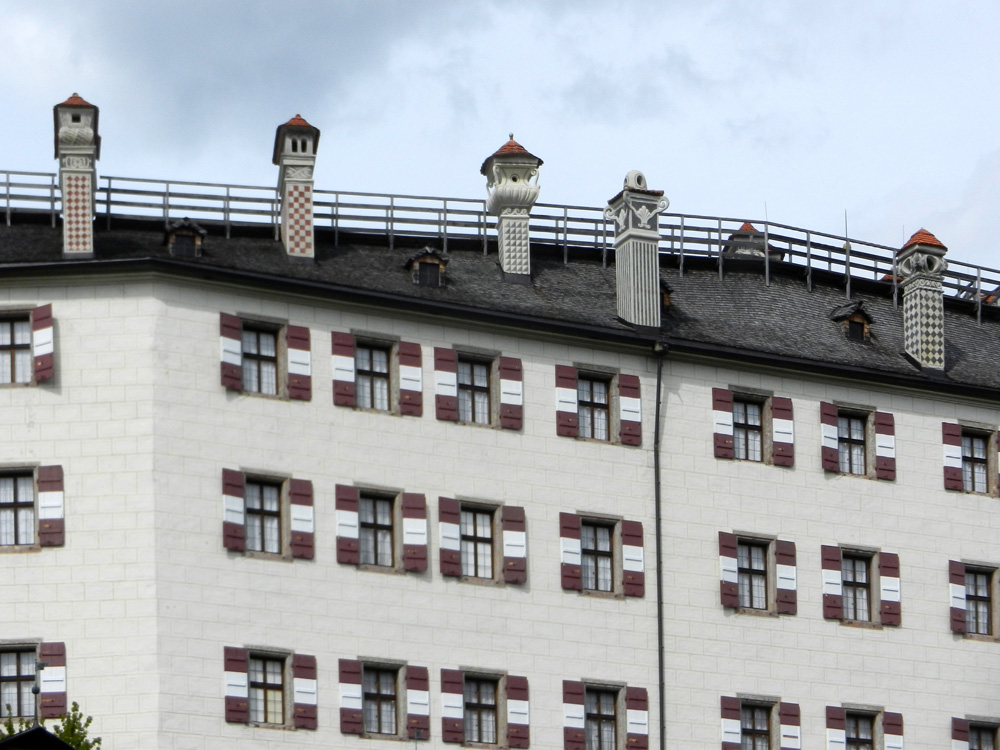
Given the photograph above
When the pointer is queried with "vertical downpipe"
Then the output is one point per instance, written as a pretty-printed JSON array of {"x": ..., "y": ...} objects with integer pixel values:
[{"x": 660, "y": 349}]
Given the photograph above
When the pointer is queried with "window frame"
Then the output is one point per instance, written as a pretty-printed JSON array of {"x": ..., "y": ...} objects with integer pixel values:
[
  {"x": 272, "y": 657},
  {"x": 399, "y": 717},
  {"x": 978, "y": 729},
  {"x": 865, "y": 442},
  {"x": 990, "y": 601},
  {"x": 277, "y": 330},
  {"x": 592, "y": 407},
  {"x": 762, "y": 428},
  {"x": 499, "y": 728},
  {"x": 394, "y": 527},
  {"x": 856, "y": 742},
  {"x": 11, "y": 318},
  {"x": 281, "y": 514},
  {"x": 490, "y": 363},
  {"x": 870, "y": 587},
  {"x": 16, "y": 475},
  {"x": 391, "y": 375},
  {"x": 20, "y": 680},
  {"x": 767, "y": 733},
  {"x": 989, "y": 462},
  {"x": 617, "y": 696},
  {"x": 613, "y": 555},
  {"x": 493, "y": 524}
]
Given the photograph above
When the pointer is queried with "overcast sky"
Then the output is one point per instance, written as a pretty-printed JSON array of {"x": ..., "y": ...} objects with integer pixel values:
[{"x": 886, "y": 110}]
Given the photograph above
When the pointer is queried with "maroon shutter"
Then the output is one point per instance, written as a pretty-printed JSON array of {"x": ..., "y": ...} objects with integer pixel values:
[
  {"x": 518, "y": 735},
  {"x": 304, "y": 668},
  {"x": 951, "y": 434},
  {"x": 573, "y": 694},
  {"x": 411, "y": 402},
  {"x": 787, "y": 598},
  {"x": 237, "y": 707},
  {"x": 836, "y": 717},
  {"x": 449, "y": 511},
  {"x": 722, "y": 401},
  {"x": 833, "y": 604},
  {"x": 730, "y": 712},
  {"x": 44, "y": 364},
  {"x": 892, "y": 723},
  {"x": 890, "y": 613},
  {"x": 569, "y": 529},
  {"x": 789, "y": 715},
  {"x": 300, "y": 492},
  {"x": 567, "y": 422},
  {"x": 446, "y": 407},
  {"x": 885, "y": 467},
  {"x": 515, "y": 569},
  {"x": 52, "y": 705},
  {"x": 829, "y": 453},
  {"x": 631, "y": 431},
  {"x": 231, "y": 328},
  {"x": 956, "y": 577},
  {"x": 346, "y": 499},
  {"x": 634, "y": 581},
  {"x": 418, "y": 726},
  {"x": 960, "y": 729},
  {"x": 636, "y": 699},
  {"x": 452, "y": 730},
  {"x": 233, "y": 534},
  {"x": 51, "y": 531},
  {"x": 511, "y": 415},
  {"x": 782, "y": 453},
  {"x": 299, "y": 385},
  {"x": 351, "y": 721},
  {"x": 342, "y": 345},
  {"x": 415, "y": 555},
  {"x": 728, "y": 589}
]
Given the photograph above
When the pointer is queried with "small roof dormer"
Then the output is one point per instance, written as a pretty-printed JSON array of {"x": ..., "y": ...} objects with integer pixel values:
[
  {"x": 427, "y": 267},
  {"x": 184, "y": 238}
]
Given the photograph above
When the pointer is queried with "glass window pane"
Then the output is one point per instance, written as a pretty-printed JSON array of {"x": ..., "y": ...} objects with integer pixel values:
[{"x": 268, "y": 378}]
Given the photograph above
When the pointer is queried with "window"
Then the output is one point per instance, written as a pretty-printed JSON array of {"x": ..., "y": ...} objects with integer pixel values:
[
  {"x": 263, "y": 521},
  {"x": 974, "y": 462},
  {"x": 851, "y": 444},
  {"x": 747, "y": 438},
  {"x": 755, "y": 727},
  {"x": 17, "y": 510},
  {"x": 753, "y": 426},
  {"x": 268, "y": 516},
  {"x": 597, "y": 557},
  {"x": 17, "y": 678},
  {"x": 855, "y": 572},
  {"x": 379, "y": 700},
  {"x": 15, "y": 350},
  {"x": 982, "y": 737},
  {"x": 752, "y": 562},
  {"x": 376, "y": 522},
  {"x": 477, "y": 542},
  {"x": 260, "y": 361},
  {"x": 858, "y": 441},
  {"x": 978, "y": 601},
  {"x": 372, "y": 372},
  {"x": 473, "y": 391},
  {"x": 758, "y": 574},
  {"x": 480, "y": 714},
  {"x": 592, "y": 401},
  {"x": 600, "y": 710},
  {"x": 267, "y": 690},
  {"x": 859, "y": 731}
]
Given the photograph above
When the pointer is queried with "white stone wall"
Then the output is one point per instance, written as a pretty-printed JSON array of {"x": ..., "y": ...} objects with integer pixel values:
[{"x": 146, "y": 598}]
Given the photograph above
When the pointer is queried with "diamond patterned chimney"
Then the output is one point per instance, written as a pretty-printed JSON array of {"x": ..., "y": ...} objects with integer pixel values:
[
  {"x": 78, "y": 147},
  {"x": 921, "y": 265},
  {"x": 295, "y": 145}
]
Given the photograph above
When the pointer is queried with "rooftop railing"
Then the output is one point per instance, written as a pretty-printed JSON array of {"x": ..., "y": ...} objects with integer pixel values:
[{"x": 438, "y": 220}]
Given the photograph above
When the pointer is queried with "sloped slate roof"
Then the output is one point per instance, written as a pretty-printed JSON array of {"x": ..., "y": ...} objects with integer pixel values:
[{"x": 738, "y": 316}]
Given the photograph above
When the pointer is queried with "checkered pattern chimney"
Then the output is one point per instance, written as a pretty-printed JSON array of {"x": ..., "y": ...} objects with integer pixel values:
[
  {"x": 637, "y": 236},
  {"x": 511, "y": 194},
  {"x": 77, "y": 149},
  {"x": 921, "y": 264},
  {"x": 295, "y": 145}
]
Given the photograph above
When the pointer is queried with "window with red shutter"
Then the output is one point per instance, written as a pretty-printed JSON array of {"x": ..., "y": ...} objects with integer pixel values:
[
  {"x": 758, "y": 573},
  {"x": 256, "y": 510}
]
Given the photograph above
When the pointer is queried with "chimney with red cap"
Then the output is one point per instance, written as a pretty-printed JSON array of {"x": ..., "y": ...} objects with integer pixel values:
[
  {"x": 921, "y": 265},
  {"x": 509, "y": 173},
  {"x": 637, "y": 246},
  {"x": 295, "y": 145},
  {"x": 78, "y": 147}
]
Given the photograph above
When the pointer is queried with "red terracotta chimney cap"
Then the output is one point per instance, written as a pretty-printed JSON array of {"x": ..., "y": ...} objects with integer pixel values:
[{"x": 923, "y": 237}]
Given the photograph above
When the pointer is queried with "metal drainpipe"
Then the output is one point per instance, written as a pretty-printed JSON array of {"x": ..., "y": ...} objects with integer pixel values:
[{"x": 660, "y": 349}]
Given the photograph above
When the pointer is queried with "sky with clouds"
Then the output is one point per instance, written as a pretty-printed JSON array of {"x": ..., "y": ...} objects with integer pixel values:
[{"x": 795, "y": 109}]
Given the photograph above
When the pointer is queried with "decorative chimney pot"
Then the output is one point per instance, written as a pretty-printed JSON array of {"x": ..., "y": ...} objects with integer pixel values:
[
  {"x": 921, "y": 265},
  {"x": 77, "y": 147},
  {"x": 295, "y": 145},
  {"x": 510, "y": 196},
  {"x": 637, "y": 240}
]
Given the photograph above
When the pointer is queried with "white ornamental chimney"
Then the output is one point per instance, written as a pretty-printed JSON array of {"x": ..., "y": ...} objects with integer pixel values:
[
  {"x": 511, "y": 195},
  {"x": 78, "y": 147},
  {"x": 921, "y": 265},
  {"x": 295, "y": 145},
  {"x": 637, "y": 244}
]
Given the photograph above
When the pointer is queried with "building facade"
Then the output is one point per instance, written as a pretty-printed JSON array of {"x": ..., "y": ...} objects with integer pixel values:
[{"x": 302, "y": 471}]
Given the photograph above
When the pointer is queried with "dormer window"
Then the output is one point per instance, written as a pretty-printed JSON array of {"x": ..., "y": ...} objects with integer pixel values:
[
  {"x": 184, "y": 239},
  {"x": 855, "y": 320},
  {"x": 427, "y": 267}
]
